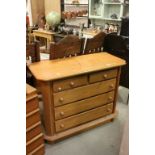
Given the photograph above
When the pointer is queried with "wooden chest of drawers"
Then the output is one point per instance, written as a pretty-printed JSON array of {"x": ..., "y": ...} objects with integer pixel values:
[
  {"x": 78, "y": 93},
  {"x": 34, "y": 134}
]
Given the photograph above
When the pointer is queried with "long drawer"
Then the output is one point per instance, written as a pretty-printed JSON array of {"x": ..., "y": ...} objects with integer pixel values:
[
  {"x": 40, "y": 151},
  {"x": 33, "y": 132},
  {"x": 31, "y": 105},
  {"x": 36, "y": 143},
  {"x": 83, "y": 105},
  {"x": 80, "y": 93},
  {"x": 103, "y": 75},
  {"x": 84, "y": 117},
  {"x": 34, "y": 118},
  {"x": 70, "y": 83}
]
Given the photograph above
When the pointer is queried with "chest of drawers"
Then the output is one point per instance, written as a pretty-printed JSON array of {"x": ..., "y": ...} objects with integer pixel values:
[
  {"x": 34, "y": 134},
  {"x": 79, "y": 93}
]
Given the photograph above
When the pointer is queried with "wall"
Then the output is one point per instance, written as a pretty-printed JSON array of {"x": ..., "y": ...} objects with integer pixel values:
[
  {"x": 38, "y": 9},
  {"x": 52, "y": 5}
]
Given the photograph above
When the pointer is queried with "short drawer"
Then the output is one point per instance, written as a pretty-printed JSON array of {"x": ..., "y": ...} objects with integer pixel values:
[
  {"x": 33, "y": 132},
  {"x": 69, "y": 83},
  {"x": 31, "y": 120},
  {"x": 36, "y": 143},
  {"x": 83, "y": 92},
  {"x": 84, "y": 117},
  {"x": 83, "y": 105},
  {"x": 31, "y": 105},
  {"x": 102, "y": 75}
]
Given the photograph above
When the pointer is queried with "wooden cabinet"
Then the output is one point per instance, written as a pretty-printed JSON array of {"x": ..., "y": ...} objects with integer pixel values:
[
  {"x": 78, "y": 93},
  {"x": 34, "y": 134}
]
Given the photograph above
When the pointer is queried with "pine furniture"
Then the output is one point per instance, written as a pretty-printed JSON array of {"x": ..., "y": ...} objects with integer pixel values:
[
  {"x": 79, "y": 93},
  {"x": 34, "y": 134}
]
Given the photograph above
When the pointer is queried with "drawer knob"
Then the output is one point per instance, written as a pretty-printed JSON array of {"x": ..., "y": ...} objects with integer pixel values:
[
  {"x": 111, "y": 86},
  {"x": 72, "y": 84},
  {"x": 61, "y": 99},
  {"x": 59, "y": 89},
  {"x": 62, "y": 113},
  {"x": 105, "y": 76},
  {"x": 110, "y": 98},
  {"x": 62, "y": 126}
]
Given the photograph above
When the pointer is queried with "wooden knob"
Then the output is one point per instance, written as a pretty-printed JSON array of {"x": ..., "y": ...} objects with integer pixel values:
[
  {"x": 61, "y": 99},
  {"x": 59, "y": 89},
  {"x": 72, "y": 83},
  {"x": 105, "y": 76},
  {"x": 111, "y": 86},
  {"x": 110, "y": 98},
  {"x": 62, "y": 126},
  {"x": 62, "y": 113}
]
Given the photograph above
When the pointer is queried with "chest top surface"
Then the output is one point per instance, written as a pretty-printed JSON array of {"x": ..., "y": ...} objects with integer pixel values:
[
  {"x": 30, "y": 91},
  {"x": 48, "y": 70}
]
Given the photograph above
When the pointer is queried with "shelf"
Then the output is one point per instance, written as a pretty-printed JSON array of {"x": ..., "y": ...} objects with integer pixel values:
[
  {"x": 112, "y": 19},
  {"x": 73, "y": 4},
  {"x": 95, "y": 17},
  {"x": 107, "y": 3}
]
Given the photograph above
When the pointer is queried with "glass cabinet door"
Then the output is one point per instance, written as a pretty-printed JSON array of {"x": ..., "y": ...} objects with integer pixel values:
[{"x": 95, "y": 8}]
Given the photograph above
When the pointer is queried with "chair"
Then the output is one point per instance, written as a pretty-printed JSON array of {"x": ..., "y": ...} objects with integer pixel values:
[
  {"x": 33, "y": 51},
  {"x": 95, "y": 44},
  {"x": 68, "y": 46},
  {"x": 32, "y": 55},
  {"x": 119, "y": 46}
]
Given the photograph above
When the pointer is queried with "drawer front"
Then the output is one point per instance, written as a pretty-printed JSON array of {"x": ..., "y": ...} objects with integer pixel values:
[
  {"x": 83, "y": 105},
  {"x": 34, "y": 132},
  {"x": 102, "y": 75},
  {"x": 34, "y": 145},
  {"x": 81, "y": 118},
  {"x": 32, "y": 119},
  {"x": 31, "y": 105},
  {"x": 69, "y": 83},
  {"x": 80, "y": 93},
  {"x": 41, "y": 151}
]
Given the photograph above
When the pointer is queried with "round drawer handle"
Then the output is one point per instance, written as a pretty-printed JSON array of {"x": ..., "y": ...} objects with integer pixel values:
[
  {"x": 62, "y": 113},
  {"x": 105, "y": 76},
  {"x": 61, "y": 99},
  {"x": 111, "y": 86},
  {"x": 62, "y": 126},
  {"x": 72, "y": 83},
  {"x": 110, "y": 98},
  {"x": 59, "y": 89}
]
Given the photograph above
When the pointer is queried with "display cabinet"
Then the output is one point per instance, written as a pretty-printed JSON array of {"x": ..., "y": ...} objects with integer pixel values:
[{"x": 111, "y": 10}]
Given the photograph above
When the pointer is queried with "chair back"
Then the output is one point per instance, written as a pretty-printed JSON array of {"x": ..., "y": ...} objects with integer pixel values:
[
  {"x": 115, "y": 44},
  {"x": 118, "y": 46},
  {"x": 33, "y": 51},
  {"x": 95, "y": 44},
  {"x": 68, "y": 46}
]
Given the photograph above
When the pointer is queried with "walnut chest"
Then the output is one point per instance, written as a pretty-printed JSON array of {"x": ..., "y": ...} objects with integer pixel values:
[
  {"x": 34, "y": 134},
  {"x": 78, "y": 92}
]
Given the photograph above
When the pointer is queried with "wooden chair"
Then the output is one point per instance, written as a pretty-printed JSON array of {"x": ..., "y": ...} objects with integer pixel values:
[
  {"x": 68, "y": 46},
  {"x": 32, "y": 55},
  {"x": 33, "y": 51},
  {"x": 95, "y": 44}
]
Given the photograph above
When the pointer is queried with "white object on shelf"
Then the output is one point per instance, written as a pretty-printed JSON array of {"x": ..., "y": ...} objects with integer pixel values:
[{"x": 107, "y": 8}]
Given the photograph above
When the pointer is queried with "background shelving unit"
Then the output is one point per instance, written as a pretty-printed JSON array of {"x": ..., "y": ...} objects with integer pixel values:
[
  {"x": 100, "y": 11},
  {"x": 67, "y": 6}
]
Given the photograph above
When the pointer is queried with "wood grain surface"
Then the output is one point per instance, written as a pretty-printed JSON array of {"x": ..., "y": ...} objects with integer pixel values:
[{"x": 60, "y": 68}]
